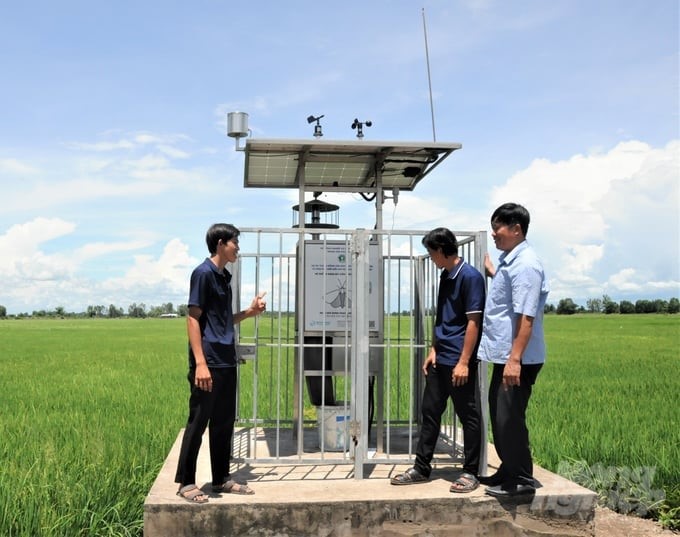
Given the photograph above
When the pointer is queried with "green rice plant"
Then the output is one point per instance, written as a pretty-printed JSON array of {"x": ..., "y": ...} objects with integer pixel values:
[
  {"x": 90, "y": 412},
  {"x": 608, "y": 395}
]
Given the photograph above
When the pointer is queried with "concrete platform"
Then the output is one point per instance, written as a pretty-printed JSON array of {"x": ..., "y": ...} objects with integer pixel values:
[{"x": 294, "y": 498}]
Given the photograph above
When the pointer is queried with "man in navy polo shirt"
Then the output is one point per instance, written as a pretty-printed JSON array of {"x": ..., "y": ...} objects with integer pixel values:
[
  {"x": 212, "y": 366},
  {"x": 451, "y": 366}
]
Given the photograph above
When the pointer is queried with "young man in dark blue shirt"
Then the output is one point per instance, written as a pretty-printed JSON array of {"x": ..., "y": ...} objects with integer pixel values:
[
  {"x": 212, "y": 366},
  {"x": 451, "y": 366}
]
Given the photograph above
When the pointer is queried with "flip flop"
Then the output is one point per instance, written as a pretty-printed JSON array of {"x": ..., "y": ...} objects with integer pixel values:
[
  {"x": 192, "y": 494},
  {"x": 465, "y": 482},
  {"x": 232, "y": 487}
]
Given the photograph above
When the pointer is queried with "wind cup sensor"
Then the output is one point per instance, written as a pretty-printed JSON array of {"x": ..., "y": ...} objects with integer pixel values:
[
  {"x": 317, "y": 127},
  {"x": 359, "y": 126}
]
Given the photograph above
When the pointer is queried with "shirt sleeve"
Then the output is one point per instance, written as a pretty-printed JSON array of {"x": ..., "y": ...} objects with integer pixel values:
[
  {"x": 475, "y": 293},
  {"x": 526, "y": 291},
  {"x": 197, "y": 287}
]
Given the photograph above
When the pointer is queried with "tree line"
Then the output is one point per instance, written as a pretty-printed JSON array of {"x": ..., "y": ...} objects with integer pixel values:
[
  {"x": 134, "y": 310},
  {"x": 567, "y": 306}
]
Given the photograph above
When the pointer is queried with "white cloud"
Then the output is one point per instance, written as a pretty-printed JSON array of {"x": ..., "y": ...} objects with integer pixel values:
[
  {"x": 42, "y": 194},
  {"x": 21, "y": 241},
  {"x": 16, "y": 167},
  {"x": 173, "y": 152},
  {"x": 612, "y": 212},
  {"x": 32, "y": 279},
  {"x": 128, "y": 142},
  {"x": 171, "y": 266},
  {"x": 102, "y": 146},
  {"x": 96, "y": 250}
]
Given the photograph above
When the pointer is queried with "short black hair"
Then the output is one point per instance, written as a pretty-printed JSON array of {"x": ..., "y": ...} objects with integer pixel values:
[
  {"x": 217, "y": 232},
  {"x": 510, "y": 214},
  {"x": 442, "y": 239}
]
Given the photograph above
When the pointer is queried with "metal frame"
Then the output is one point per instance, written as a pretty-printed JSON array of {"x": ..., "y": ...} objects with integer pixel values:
[{"x": 421, "y": 302}]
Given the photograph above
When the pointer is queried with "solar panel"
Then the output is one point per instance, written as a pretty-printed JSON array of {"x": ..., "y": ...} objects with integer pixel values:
[{"x": 340, "y": 165}]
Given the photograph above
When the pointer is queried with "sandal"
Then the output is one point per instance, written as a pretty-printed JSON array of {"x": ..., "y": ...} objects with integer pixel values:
[
  {"x": 409, "y": 477},
  {"x": 192, "y": 494},
  {"x": 465, "y": 482},
  {"x": 232, "y": 487}
]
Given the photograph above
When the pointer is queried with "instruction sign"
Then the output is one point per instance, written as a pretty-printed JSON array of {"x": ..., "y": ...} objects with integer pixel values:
[{"x": 328, "y": 286}]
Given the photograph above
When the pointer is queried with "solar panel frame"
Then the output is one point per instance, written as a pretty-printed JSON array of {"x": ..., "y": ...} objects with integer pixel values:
[{"x": 340, "y": 165}]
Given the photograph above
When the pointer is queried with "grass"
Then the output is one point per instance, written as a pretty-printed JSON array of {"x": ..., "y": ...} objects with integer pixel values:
[
  {"x": 608, "y": 396},
  {"x": 92, "y": 407},
  {"x": 610, "y": 386}
]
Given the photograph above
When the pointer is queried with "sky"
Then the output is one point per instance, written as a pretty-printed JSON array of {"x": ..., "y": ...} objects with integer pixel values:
[{"x": 114, "y": 157}]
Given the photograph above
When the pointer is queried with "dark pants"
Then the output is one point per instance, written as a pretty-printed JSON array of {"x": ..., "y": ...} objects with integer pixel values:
[
  {"x": 507, "y": 407},
  {"x": 217, "y": 408},
  {"x": 438, "y": 389}
]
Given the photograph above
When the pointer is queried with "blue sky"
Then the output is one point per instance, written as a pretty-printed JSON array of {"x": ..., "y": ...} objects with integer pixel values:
[{"x": 114, "y": 157}]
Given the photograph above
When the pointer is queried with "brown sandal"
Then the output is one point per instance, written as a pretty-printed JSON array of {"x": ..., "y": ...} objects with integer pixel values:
[
  {"x": 232, "y": 487},
  {"x": 192, "y": 494},
  {"x": 465, "y": 482},
  {"x": 409, "y": 477}
]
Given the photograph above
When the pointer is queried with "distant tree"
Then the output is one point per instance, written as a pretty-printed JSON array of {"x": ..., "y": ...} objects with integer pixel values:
[
  {"x": 594, "y": 305},
  {"x": 645, "y": 306},
  {"x": 95, "y": 311},
  {"x": 660, "y": 306},
  {"x": 137, "y": 311},
  {"x": 608, "y": 305},
  {"x": 59, "y": 311},
  {"x": 3, "y": 312},
  {"x": 156, "y": 311},
  {"x": 183, "y": 309},
  {"x": 626, "y": 307},
  {"x": 566, "y": 306},
  {"x": 673, "y": 306},
  {"x": 549, "y": 308},
  {"x": 115, "y": 312}
]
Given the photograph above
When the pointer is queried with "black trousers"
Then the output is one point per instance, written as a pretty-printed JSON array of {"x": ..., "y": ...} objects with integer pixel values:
[
  {"x": 216, "y": 409},
  {"x": 438, "y": 389},
  {"x": 507, "y": 407}
]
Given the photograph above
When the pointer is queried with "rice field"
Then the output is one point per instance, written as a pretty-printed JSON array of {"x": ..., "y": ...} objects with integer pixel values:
[{"x": 90, "y": 409}]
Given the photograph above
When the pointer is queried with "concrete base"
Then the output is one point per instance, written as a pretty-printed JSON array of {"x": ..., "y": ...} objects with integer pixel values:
[{"x": 324, "y": 500}]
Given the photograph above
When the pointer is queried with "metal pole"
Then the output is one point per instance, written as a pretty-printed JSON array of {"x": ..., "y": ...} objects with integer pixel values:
[
  {"x": 360, "y": 351},
  {"x": 429, "y": 79}
]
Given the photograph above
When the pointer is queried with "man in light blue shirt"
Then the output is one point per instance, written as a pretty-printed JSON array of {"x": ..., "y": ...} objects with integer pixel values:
[{"x": 512, "y": 340}]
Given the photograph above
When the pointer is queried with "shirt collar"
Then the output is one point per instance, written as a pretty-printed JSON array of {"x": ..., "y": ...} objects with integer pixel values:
[
  {"x": 508, "y": 257},
  {"x": 224, "y": 272},
  {"x": 452, "y": 275}
]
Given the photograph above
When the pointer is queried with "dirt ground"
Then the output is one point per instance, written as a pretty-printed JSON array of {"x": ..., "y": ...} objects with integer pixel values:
[{"x": 611, "y": 524}]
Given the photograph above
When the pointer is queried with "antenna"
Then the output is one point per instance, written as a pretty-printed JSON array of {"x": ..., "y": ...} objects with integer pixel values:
[{"x": 429, "y": 79}]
